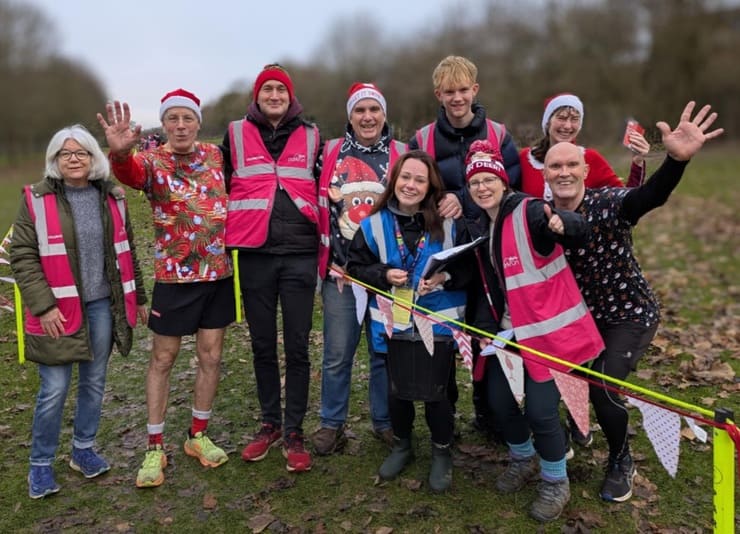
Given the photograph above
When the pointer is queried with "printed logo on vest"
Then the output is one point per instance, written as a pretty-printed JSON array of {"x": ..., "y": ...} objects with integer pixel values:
[
  {"x": 511, "y": 261},
  {"x": 297, "y": 158}
]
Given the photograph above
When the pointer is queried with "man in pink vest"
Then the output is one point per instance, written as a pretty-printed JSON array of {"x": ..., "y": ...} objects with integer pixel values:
[
  {"x": 273, "y": 215},
  {"x": 623, "y": 305},
  {"x": 354, "y": 170}
]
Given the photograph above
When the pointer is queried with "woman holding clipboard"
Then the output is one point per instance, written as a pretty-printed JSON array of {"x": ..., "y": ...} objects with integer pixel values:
[{"x": 389, "y": 252}]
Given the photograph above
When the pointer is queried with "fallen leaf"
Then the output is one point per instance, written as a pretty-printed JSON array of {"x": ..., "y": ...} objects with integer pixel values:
[
  {"x": 209, "y": 501},
  {"x": 260, "y": 522}
]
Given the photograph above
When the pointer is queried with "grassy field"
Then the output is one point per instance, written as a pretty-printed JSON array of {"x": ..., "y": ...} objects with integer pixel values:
[{"x": 689, "y": 250}]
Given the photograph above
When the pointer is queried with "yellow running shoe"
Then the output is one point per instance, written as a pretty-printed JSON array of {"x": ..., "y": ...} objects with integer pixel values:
[{"x": 201, "y": 447}]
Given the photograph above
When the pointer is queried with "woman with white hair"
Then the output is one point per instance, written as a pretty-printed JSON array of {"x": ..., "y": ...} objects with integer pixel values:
[{"x": 74, "y": 260}]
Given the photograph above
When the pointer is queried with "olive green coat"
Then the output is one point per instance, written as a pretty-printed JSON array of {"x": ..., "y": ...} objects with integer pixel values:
[{"x": 37, "y": 295}]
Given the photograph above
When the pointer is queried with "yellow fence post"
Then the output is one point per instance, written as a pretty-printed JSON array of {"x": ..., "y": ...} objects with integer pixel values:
[
  {"x": 237, "y": 285},
  {"x": 724, "y": 476}
]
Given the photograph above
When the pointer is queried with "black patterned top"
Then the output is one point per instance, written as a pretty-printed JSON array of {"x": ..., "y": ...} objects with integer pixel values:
[{"x": 606, "y": 270}]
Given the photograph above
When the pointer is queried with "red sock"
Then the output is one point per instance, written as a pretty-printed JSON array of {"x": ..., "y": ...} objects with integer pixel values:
[
  {"x": 156, "y": 439},
  {"x": 198, "y": 425}
]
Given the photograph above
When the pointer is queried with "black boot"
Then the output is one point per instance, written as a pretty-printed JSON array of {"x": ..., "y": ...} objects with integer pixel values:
[
  {"x": 440, "y": 475},
  {"x": 400, "y": 456}
]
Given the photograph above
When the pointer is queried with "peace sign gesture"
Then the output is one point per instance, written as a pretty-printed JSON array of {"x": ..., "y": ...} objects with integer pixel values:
[
  {"x": 119, "y": 134},
  {"x": 690, "y": 134}
]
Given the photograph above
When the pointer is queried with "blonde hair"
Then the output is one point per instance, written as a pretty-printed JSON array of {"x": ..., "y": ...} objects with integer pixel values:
[{"x": 454, "y": 70}]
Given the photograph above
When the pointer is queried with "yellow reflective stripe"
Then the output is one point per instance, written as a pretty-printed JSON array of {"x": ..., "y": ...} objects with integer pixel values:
[
  {"x": 548, "y": 326},
  {"x": 121, "y": 246},
  {"x": 64, "y": 292},
  {"x": 50, "y": 250},
  {"x": 376, "y": 225},
  {"x": 129, "y": 287},
  {"x": 248, "y": 204}
]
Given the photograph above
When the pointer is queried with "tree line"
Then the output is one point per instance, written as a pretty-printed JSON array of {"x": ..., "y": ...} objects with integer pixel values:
[{"x": 624, "y": 58}]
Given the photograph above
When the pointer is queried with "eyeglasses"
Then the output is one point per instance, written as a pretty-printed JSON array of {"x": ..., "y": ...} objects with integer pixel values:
[
  {"x": 488, "y": 182},
  {"x": 66, "y": 155}
]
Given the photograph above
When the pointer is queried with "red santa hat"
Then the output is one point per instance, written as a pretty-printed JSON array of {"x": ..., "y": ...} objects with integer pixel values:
[
  {"x": 361, "y": 182},
  {"x": 273, "y": 72},
  {"x": 553, "y": 103},
  {"x": 180, "y": 98},
  {"x": 483, "y": 157},
  {"x": 360, "y": 90}
]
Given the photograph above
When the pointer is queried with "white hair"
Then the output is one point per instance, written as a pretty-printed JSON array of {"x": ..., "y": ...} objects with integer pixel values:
[{"x": 99, "y": 166}]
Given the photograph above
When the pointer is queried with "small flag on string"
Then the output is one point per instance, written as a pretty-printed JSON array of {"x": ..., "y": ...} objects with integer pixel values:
[
  {"x": 698, "y": 431},
  {"x": 386, "y": 312},
  {"x": 513, "y": 367},
  {"x": 574, "y": 392},
  {"x": 463, "y": 346},
  {"x": 663, "y": 429},
  {"x": 360, "y": 301},
  {"x": 425, "y": 331}
]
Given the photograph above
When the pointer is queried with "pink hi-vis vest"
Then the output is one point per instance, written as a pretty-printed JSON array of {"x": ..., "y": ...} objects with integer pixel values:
[
  {"x": 547, "y": 310},
  {"x": 425, "y": 136},
  {"x": 331, "y": 154},
  {"x": 58, "y": 271},
  {"x": 257, "y": 176}
]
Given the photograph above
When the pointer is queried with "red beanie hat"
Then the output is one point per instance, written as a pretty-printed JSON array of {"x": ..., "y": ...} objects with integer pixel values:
[
  {"x": 483, "y": 157},
  {"x": 273, "y": 72},
  {"x": 359, "y": 90},
  {"x": 180, "y": 98}
]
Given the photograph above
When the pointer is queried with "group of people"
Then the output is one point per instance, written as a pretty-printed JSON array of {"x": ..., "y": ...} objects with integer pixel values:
[{"x": 555, "y": 265}]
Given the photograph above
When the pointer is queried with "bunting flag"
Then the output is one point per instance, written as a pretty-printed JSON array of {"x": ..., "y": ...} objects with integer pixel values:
[
  {"x": 463, "y": 346},
  {"x": 574, "y": 392},
  {"x": 425, "y": 330},
  {"x": 698, "y": 431},
  {"x": 360, "y": 301},
  {"x": 513, "y": 367},
  {"x": 386, "y": 312},
  {"x": 663, "y": 429}
]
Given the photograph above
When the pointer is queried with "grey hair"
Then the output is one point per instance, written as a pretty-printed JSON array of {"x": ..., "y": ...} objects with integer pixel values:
[{"x": 99, "y": 166}]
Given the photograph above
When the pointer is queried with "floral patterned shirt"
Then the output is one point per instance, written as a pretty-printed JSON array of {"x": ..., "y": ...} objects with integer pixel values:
[
  {"x": 606, "y": 270},
  {"x": 189, "y": 203}
]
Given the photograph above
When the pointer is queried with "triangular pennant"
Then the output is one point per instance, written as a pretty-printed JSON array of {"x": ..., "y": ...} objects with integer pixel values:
[
  {"x": 425, "y": 331},
  {"x": 463, "y": 346},
  {"x": 663, "y": 429},
  {"x": 386, "y": 312},
  {"x": 360, "y": 301},
  {"x": 698, "y": 431},
  {"x": 574, "y": 392},
  {"x": 513, "y": 368}
]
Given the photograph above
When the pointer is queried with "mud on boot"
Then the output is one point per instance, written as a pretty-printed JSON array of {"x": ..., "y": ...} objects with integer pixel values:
[
  {"x": 440, "y": 474},
  {"x": 401, "y": 455}
]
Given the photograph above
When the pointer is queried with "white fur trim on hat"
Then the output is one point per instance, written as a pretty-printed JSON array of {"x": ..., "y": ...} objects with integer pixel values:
[
  {"x": 366, "y": 91},
  {"x": 362, "y": 187},
  {"x": 558, "y": 102},
  {"x": 179, "y": 102}
]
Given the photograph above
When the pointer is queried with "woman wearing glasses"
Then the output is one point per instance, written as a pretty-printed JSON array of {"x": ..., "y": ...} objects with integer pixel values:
[
  {"x": 77, "y": 300},
  {"x": 528, "y": 289}
]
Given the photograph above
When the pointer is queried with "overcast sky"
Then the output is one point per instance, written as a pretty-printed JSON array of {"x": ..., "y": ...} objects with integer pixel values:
[{"x": 141, "y": 49}]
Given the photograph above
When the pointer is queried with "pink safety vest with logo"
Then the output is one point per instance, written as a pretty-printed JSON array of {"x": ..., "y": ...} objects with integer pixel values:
[
  {"x": 257, "y": 176},
  {"x": 425, "y": 136},
  {"x": 547, "y": 311},
  {"x": 57, "y": 269},
  {"x": 330, "y": 156}
]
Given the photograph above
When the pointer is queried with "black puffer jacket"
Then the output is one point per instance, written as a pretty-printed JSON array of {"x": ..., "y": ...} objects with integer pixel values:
[
  {"x": 451, "y": 146},
  {"x": 290, "y": 232}
]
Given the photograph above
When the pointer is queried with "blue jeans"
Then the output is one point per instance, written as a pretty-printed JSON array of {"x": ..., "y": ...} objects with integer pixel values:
[
  {"x": 54, "y": 385},
  {"x": 341, "y": 337}
]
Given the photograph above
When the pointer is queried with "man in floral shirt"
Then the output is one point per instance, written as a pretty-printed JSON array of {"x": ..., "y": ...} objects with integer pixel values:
[{"x": 193, "y": 292}]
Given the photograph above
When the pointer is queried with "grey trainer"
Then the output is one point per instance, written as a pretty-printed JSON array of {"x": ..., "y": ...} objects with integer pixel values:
[
  {"x": 517, "y": 474},
  {"x": 551, "y": 500}
]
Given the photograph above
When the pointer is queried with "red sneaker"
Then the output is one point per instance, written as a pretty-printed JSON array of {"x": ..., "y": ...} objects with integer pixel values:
[
  {"x": 299, "y": 459},
  {"x": 258, "y": 448}
]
